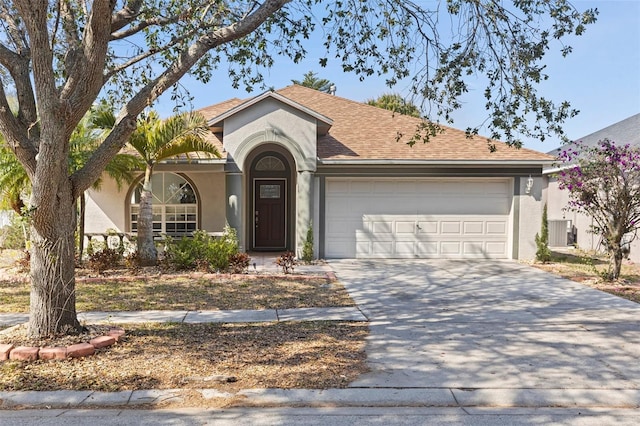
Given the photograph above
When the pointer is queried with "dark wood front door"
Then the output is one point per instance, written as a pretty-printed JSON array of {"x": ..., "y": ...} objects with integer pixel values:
[{"x": 269, "y": 216}]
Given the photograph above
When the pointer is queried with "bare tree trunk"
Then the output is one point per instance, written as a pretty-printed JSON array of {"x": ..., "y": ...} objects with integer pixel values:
[
  {"x": 83, "y": 207},
  {"x": 147, "y": 253},
  {"x": 616, "y": 262},
  {"x": 53, "y": 298}
]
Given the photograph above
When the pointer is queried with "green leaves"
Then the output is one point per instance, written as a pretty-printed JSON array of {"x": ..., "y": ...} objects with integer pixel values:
[
  {"x": 183, "y": 134},
  {"x": 311, "y": 80}
]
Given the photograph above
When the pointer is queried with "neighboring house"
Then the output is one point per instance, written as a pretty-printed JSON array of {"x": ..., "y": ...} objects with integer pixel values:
[
  {"x": 297, "y": 157},
  {"x": 570, "y": 228}
]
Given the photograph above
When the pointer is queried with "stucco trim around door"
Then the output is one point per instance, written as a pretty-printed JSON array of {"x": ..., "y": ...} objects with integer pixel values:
[{"x": 270, "y": 165}]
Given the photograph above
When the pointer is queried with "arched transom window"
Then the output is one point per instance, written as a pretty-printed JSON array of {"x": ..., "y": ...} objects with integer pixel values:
[
  {"x": 270, "y": 164},
  {"x": 175, "y": 207}
]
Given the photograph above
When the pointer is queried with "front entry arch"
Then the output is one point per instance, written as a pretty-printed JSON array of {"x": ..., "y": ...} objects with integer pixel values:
[{"x": 270, "y": 188}]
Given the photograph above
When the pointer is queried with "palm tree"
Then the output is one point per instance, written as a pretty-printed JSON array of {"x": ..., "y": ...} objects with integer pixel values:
[
  {"x": 157, "y": 140},
  {"x": 84, "y": 140},
  {"x": 396, "y": 103},
  {"x": 310, "y": 80},
  {"x": 13, "y": 180}
]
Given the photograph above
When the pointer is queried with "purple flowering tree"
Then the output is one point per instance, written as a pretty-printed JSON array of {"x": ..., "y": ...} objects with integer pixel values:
[{"x": 604, "y": 182}]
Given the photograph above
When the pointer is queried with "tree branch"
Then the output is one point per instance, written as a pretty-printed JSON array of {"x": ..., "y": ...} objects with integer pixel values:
[
  {"x": 85, "y": 64},
  {"x": 126, "y": 15},
  {"x": 34, "y": 14},
  {"x": 13, "y": 130},
  {"x": 125, "y": 123},
  {"x": 134, "y": 29},
  {"x": 145, "y": 55}
]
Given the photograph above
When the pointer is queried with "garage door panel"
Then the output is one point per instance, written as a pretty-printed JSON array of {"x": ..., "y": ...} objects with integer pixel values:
[
  {"x": 497, "y": 228},
  {"x": 448, "y": 227},
  {"x": 382, "y": 248},
  {"x": 475, "y": 227},
  {"x": 405, "y": 227},
  {"x": 496, "y": 248},
  {"x": 473, "y": 247},
  {"x": 405, "y": 248},
  {"x": 427, "y": 249},
  {"x": 382, "y": 227},
  {"x": 424, "y": 227},
  {"x": 449, "y": 248},
  {"x": 404, "y": 218}
]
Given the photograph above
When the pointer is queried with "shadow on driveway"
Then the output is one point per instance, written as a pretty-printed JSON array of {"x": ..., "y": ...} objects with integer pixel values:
[{"x": 490, "y": 324}]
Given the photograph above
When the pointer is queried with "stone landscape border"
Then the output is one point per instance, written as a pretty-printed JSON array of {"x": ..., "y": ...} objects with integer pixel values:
[{"x": 32, "y": 353}]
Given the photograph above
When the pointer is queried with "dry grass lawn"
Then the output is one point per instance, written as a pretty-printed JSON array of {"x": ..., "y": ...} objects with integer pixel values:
[
  {"x": 318, "y": 354},
  {"x": 586, "y": 268},
  {"x": 314, "y": 354}
]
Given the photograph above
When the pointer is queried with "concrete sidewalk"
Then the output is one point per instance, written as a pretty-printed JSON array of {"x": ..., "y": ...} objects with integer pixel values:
[{"x": 347, "y": 313}]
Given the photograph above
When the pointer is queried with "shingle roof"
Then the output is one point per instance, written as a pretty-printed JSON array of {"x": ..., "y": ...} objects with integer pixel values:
[
  {"x": 365, "y": 132},
  {"x": 626, "y": 131}
]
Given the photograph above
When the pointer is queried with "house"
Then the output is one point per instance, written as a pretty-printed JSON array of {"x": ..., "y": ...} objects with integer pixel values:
[
  {"x": 571, "y": 228},
  {"x": 296, "y": 157}
]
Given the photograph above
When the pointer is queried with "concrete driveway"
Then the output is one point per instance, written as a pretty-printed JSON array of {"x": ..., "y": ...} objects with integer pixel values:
[{"x": 491, "y": 324}]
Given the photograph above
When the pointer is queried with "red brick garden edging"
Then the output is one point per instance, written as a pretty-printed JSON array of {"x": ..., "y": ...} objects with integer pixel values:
[{"x": 79, "y": 350}]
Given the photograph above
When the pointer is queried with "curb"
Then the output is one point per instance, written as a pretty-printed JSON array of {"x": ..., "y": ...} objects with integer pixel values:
[{"x": 349, "y": 397}]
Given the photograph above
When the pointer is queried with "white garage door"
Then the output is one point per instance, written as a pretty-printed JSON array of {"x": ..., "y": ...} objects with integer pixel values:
[{"x": 423, "y": 218}]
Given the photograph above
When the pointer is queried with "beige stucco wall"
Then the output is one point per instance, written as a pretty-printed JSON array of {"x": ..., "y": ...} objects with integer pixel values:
[
  {"x": 275, "y": 122},
  {"x": 557, "y": 200},
  {"x": 107, "y": 208},
  {"x": 530, "y": 216},
  {"x": 211, "y": 189}
]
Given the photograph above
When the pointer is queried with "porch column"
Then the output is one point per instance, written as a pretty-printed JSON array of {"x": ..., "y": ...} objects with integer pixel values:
[
  {"x": 234, "y": 198},
  {"x": 304, "y": 208}
]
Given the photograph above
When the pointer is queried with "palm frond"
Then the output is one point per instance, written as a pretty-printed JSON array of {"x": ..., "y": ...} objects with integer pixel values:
[{"x": 180, "y": 135}]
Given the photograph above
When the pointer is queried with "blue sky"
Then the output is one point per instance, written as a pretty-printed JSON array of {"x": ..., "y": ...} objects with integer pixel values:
[{"x": 601, "y": 77}]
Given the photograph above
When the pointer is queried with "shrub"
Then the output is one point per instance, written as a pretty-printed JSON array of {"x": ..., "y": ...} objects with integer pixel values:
[
  {"x": 188, "y": 252},
  {"x": 132, "y": 261},
  {"x": 202, "y": 251},
  {"x": 307, "y": 248},
  {"x": 239, "y": 263},
  {"x": 543, "y": 254},
  {"x": 100, "y": 261},
  {"x": 287, "y": 262}
]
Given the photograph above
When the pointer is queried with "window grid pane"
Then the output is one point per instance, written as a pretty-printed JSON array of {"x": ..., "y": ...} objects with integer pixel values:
[{"x": 172, "y": 219}]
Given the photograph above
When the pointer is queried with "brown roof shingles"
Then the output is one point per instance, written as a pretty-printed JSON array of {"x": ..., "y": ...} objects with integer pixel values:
[{"x": 365, "y": 132}]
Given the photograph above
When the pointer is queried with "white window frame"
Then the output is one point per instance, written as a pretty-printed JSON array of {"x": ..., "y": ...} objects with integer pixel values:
[{"x": 162, "y": 211}]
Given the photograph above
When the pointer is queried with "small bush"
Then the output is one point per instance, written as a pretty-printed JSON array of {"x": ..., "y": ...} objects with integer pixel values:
[
  {"x": 132, "y": 261},
  {"x": 307, "y": 248},
  {"x": 187, "y": 253},
  {"x": 104, "y": 259},
  {"x": 202, "y": 251},
  {"x": 287, "y": 262},
  {"x": 239, "y": 263},
  {"x": 543, "y": 253}
]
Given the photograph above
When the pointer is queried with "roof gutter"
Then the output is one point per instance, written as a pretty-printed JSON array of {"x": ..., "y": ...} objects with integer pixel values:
[{"x": 345, "y": 162}]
